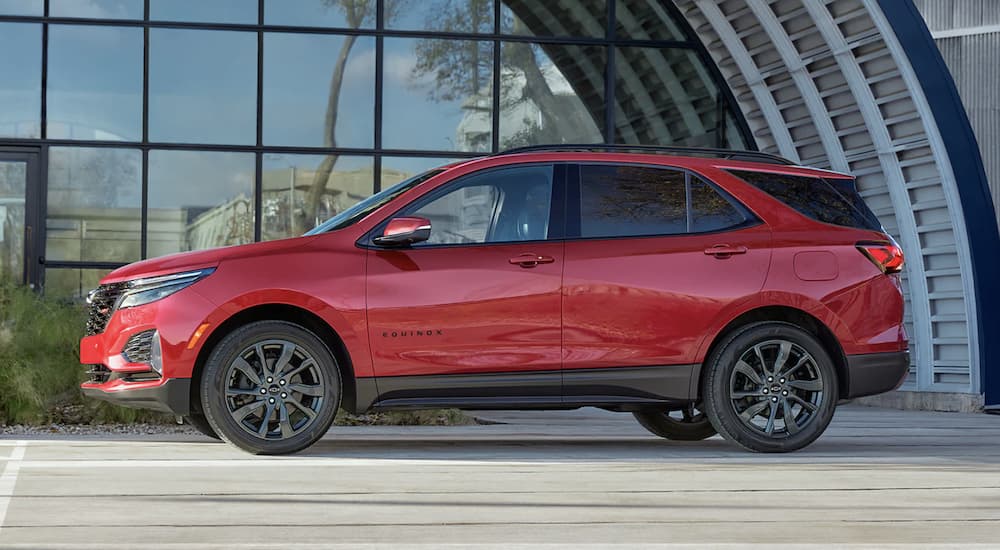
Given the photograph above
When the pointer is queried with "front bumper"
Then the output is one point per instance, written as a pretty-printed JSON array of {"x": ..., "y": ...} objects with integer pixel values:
[
  {"x": 874, "y": 373},
  {"x": 172, "y": 395}
]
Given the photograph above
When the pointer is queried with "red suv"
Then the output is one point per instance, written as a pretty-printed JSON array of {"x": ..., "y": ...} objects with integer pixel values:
[{"x": 704, "y": 291}]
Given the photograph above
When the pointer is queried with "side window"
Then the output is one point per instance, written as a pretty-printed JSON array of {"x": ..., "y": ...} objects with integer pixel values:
[
  {"x": 622, "y": 201},
  {"x": 504, "y": 205},
  {"x": 710, "y": 211}
]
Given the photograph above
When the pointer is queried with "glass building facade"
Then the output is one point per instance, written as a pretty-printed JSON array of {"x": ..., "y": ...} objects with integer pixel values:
[{"x": 131, "y": 129}]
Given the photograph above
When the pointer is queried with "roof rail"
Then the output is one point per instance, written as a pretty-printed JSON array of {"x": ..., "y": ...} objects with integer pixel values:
[{"x": 728, "y": 154}]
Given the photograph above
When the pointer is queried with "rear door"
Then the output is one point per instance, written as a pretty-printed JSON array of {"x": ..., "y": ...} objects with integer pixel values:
[
  {"x": 654, "y": 256},
  {"x": 481, "y": 297}
]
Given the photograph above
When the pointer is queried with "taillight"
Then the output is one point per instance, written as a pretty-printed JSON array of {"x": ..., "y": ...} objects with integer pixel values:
[{"x": 886, "y": 256}]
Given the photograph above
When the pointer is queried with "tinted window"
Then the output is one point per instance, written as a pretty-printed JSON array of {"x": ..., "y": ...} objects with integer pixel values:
[
  {"x": 815, "y": 198},
  {"x": 507, "y": 205},
  {"x": 620, "y": 201},
  {"x": 710, "y": 211}
]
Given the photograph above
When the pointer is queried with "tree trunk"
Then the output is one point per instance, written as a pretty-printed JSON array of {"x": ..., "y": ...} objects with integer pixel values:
[{"x": 325, "y": 168}]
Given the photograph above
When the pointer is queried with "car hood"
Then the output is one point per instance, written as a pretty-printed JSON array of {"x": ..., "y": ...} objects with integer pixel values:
[{"x": 199, "y": 259}]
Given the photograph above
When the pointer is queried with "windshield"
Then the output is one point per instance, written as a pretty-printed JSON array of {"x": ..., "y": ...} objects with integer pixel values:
[{"x": 357, "y": 212}]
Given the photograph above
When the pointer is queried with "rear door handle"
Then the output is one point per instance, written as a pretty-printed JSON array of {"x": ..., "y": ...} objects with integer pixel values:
[
  {"x": 725, "y": 250},
  {"x": 531, "y": 260}
]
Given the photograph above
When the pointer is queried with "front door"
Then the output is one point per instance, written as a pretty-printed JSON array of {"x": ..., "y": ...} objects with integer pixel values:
[
  {"x": 480, "y": 298},
  {"x": 19, "y": 225}
]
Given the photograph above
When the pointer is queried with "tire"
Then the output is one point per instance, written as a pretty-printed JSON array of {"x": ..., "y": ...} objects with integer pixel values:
[
  {"x": 687, "y": 424},
  {"x": 279, "y": 405},
  {"x": 749, "y": 401},
  {"x": 198, "y": 422}
]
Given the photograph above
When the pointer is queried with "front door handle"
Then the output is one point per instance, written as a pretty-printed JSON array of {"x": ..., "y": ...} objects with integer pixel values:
[
  {"x": 531, "y": 260},
  {"x": 725, "y": 250}
]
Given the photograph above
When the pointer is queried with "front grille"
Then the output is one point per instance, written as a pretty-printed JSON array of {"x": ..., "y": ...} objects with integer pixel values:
[
  {"x": 98, "y": 374},
  {"x": 102, "y": 306},
  {"x": 139, "y": 347}
]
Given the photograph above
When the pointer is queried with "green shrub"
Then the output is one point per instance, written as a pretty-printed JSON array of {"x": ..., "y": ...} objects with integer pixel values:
[{"x": 40, "y": 369}]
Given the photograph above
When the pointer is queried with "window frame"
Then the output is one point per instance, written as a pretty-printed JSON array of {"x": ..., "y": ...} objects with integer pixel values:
[
  {"x": 557, "y": 209},
  {"x": 574, "y": 205}
]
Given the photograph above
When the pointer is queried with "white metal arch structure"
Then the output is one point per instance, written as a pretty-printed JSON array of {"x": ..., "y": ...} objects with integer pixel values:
[{"x": 826, "y": 82}]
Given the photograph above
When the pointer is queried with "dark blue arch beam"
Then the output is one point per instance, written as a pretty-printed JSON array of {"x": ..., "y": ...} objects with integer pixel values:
[{"x": 970, "y": 177}]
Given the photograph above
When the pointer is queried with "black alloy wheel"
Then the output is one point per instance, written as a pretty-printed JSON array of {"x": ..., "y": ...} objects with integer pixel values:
[
  {"x": 771, "y": 387},
  {"x": 688, "y": 423},
  {"x": 271, "y": 387}
]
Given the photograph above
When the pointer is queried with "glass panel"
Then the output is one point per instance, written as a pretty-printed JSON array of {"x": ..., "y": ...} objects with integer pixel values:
[
  {"x": 630, "y": 201},
  {"x": 72, "y": 283},
  {"x": 95, "y": 83},
  {"x": 437, "y": 94},
  {"x": 349, "y": 14},
  {"x": 97, "y": 9},
  {"x": 645, "y": 21},
  {"x": 551, "y": 93},
  {"x": 303, "y": 73},
  {"x": 665, "y": 97},
  {"x": 710, "y": 211},
  {"x": 198, "y": 200},
  {"x": 301, "y": 191},
  {"x": 200, "y": 11},
  {"x": 21, "y": 84},
  {"x": 202, "y": 86},
  {"x": 22, "y": 7},
  {"x": 440, "y": 15},
  {"x": 508, "y": 205},
  {"x": 94, "y": 205},
  {"x": 13, "y": 185},
  {"x": 587, "y": 18},
  {"x": 397, "y": 169}
]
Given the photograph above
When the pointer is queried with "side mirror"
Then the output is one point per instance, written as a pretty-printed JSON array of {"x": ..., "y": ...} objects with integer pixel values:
[{"x": 404, "y": 231}]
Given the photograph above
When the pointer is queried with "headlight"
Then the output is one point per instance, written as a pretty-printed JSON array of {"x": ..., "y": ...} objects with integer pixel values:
[{"x": 144, "y": 291}]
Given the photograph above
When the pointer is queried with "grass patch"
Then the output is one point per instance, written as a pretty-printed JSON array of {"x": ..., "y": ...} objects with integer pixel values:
[{"x": 40, "y": 369}]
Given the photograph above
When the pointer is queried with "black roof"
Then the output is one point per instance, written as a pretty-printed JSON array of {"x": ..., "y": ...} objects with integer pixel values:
[{"x": 728, "y": 154}]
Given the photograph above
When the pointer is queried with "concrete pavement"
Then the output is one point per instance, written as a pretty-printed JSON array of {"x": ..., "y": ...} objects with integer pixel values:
[{"x": 574, "y": 478}]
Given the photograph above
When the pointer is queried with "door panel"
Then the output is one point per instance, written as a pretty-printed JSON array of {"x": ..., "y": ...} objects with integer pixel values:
[
  {"x": 455, "y": 310},
  {"x": 18, "y": 228},
  {"x": 649, "y": 301}
]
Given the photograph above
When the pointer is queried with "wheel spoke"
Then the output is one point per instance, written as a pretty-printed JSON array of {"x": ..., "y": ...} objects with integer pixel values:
[
  {"x": 263, "y": 359},
  {"x": 287, "y": 350},
  {"x": 811, "y": 407},
  {"x": 284, "y": 422},
  {"x": 746, "y": 370},
  {"x": 784, "y": 350},
  {"x": 807, "y": 385},
  {"x": 247, "y": 369},
  {"x": 295, "y": 402},
  {"x": 302, "y": 366},
  {"x": 242, "y": 391},
  {"x": 769, "y": 428},
  {"x": 802, "y": 361},
  {"x": 760, "y": 357},
  {"x": 791, "y": 426},
  {"x": 244, "y": 411},
  {"x": 310, "y": 390},
  {"x": 265, "y": 422},
  {"x": 744, "y": 394},
  {"x": 753, "y": 410}
]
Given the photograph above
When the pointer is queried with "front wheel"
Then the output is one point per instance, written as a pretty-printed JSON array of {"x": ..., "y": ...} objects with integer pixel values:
[
  {"x": 771, "y": 387},
  {"x": 688, "y": 423},
  {"x": 271, "y": 387},
  {"x": 200, "y": 423}
]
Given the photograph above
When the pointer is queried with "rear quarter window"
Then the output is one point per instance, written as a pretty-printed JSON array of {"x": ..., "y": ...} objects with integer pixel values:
[{"x": 829, "y": 201}]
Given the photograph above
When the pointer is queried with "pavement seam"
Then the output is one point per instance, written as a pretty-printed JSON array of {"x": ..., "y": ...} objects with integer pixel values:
[{"x": 8, "y": 479}]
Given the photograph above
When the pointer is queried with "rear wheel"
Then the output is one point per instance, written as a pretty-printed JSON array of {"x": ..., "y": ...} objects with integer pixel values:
[
  {"x": 689, "y": 423},
  {"x": 271, "y": 387},
  {"x": 771, "y": 387},
  {"x": 200, "y": 423}
]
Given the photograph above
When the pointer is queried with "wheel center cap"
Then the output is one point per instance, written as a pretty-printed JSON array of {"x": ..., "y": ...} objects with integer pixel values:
[
  {"x": 775, "y": 388},
  {"x": 273, "y": 390}
]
